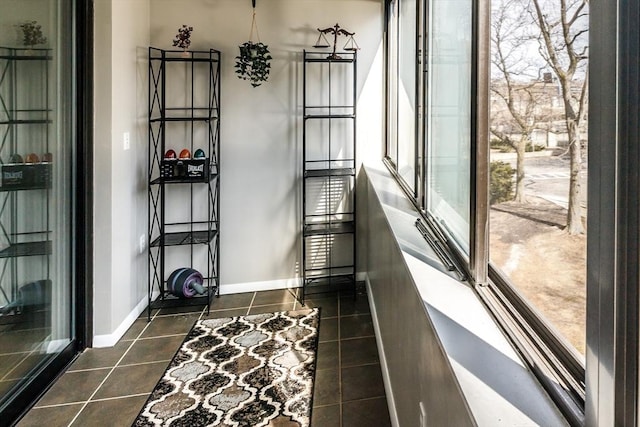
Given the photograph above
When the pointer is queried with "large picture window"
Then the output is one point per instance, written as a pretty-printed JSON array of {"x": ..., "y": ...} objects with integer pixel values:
[
  {"x": 533, "y": 166},
  {"x": 539, "y": 141}
]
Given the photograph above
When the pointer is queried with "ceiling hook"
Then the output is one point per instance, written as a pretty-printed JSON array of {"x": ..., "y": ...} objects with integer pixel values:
[{"x": 254, "y": 3}]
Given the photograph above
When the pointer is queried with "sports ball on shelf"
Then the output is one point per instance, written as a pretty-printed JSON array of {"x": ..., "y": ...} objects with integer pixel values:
[
  {"x": 170, "y": 155},
  {"x": 16, "y": 158},
  {"x": 32, "y": 158},
  {"x": 185, "y": 154},
  {"x": 185, "y": 283},
  {"x": 47, "y": 158},
  {"x": 199, "y": 154}
]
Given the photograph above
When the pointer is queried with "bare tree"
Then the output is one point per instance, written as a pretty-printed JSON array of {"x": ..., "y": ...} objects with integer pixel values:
[
  {"x": 516, "y": 84},
  {"x": 563, "y": 40}
]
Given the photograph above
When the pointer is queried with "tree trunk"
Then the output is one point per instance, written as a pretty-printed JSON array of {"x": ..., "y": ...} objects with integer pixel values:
[
  {"x": 520, "y": 150},
  {"x": 574, "y": 214}
]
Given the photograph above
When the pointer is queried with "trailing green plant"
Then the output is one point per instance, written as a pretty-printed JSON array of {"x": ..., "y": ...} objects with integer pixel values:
[
  {"x": 253, "y": 63},
  {"x": 32, "y": 33},
  {"x": 500, "y": 182}
]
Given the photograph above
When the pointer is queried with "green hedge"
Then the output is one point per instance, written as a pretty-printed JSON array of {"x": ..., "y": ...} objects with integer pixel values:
[{"x": 500, "y": 182}]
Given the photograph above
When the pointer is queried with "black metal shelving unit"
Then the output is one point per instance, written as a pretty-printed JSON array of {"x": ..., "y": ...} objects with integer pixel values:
[
  {"x": 184, "y": 209},
  {"x": 25, "y": 184},
  {"x": 329, "y": 171}
]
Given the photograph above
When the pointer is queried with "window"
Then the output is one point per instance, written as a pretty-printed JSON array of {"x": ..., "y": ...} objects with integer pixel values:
[
  {"x": 540, "y": 92},
  {"x": 448, "y": 118},
  {"x": 535, "y": 162},
  {"x": 402, "y": 88},
  {"x": 538, "y": 158}
]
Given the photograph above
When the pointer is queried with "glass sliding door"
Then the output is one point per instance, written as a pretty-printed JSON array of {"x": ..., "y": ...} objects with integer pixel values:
[
  {"x": 448, "y": 126},
  {"x": 37, "y": 160}
]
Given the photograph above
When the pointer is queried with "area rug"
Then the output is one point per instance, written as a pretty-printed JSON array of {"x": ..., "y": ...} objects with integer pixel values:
[{"x": 254, "y": 370}]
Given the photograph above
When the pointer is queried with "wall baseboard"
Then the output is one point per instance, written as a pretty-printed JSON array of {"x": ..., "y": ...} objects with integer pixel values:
[
  {"x": 267, "y": 285},
  {"x": 393, "y": 415},
  {"x": 109, "y": 340}
]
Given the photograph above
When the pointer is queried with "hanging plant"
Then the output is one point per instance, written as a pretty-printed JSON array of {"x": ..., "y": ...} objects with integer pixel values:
[{"x": 253, "y": 62}]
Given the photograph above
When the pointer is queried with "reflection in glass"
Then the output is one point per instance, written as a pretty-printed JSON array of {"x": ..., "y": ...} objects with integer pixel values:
[
  {"x": 35, "y": 187},
  {"x": 406, "y": 91},
  {"x": 449, "y": 116}
]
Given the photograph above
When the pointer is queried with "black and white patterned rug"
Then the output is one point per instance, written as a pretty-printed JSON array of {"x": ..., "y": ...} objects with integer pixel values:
[{"x": 254, "y": 370}]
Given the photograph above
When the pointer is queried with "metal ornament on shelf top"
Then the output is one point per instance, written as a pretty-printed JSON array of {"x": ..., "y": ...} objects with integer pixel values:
[{"x": 336, "y": 30}]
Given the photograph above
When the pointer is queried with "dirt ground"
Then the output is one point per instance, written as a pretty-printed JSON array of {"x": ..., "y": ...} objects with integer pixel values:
[{"x": 547, "y": 265}]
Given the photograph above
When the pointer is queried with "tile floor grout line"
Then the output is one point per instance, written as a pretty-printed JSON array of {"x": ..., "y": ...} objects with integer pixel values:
[
  {"x": 356, "y": 315},
  {"x": 128, "y": 365},
  {"x": 113, "y": 368},
  {"x": 360, "y": 365},
  {"x": 106, "y": 399},
  {"x": 364, "y": 399},
  {"x": 267, "y": 305},
  {"x": 74, "y": 371},
  {"x": 357, "y": 338},
  {"x": 253, "y": 298},
  {"x": 160, "y": 336},
  {"x": 210, "y": 311},
  {"x": 4, "y": 377},
  {"x": 351, "y": 366},
  {"x": 185, "y": 314},
  {"x": 17, "y": 353},
  {"x": 58, "y": 405}
]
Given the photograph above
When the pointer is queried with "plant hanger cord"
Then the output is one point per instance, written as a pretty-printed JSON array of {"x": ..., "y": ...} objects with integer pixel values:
[{"x": 254, "y": 25}]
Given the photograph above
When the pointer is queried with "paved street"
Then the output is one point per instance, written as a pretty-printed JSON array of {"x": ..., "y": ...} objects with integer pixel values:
[{"x": 547, "y": 177}]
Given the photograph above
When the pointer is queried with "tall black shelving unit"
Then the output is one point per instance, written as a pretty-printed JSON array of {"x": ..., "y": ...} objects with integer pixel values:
[
  {"x": 184, "y": 202},
  {"x": 25, "y": 170},
  {"x": 329, "y": 171}
]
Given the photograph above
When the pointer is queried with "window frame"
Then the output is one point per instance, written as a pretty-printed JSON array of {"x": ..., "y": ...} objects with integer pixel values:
[{"x": 554, "y": 362}]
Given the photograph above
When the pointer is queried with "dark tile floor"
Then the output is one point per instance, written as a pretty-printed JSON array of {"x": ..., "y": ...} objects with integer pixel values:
[{"x": 107, "y": 387}]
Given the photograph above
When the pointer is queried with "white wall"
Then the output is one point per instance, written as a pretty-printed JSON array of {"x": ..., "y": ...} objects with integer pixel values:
[
  {"x": 120, "y": 196},
  {"x": 260, "y": 136},
  {"x": 261, "y": 127}
]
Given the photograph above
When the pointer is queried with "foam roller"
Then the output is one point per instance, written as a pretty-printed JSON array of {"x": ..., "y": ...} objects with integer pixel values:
[{"x": 185, "y": 283}]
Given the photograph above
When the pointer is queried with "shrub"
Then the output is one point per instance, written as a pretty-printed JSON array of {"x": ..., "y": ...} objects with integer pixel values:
[
  {"x": 500, "y": 182},
  {"x": 497, "y": 144},
  {"x": 533, "y": 147}
]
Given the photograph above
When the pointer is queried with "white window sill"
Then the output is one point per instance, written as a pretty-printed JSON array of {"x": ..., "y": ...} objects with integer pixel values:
[{"x": 494, "y": 382}]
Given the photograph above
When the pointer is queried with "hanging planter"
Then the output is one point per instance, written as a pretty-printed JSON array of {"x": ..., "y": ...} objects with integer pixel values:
[{"x": 253, "y": 63}]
